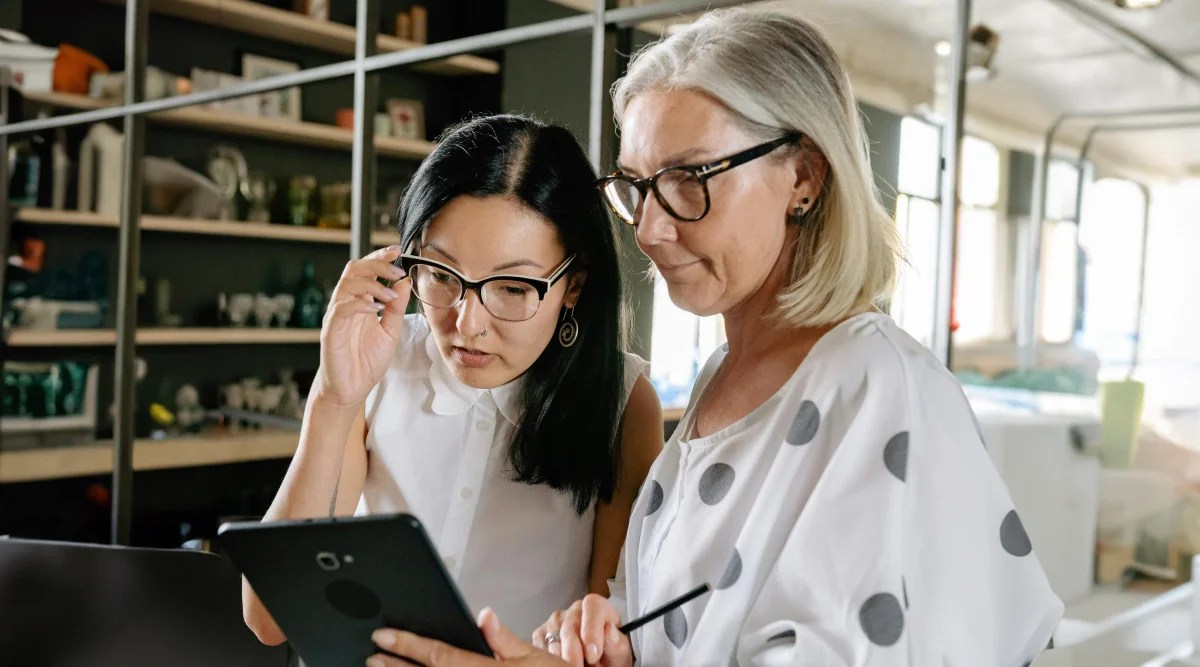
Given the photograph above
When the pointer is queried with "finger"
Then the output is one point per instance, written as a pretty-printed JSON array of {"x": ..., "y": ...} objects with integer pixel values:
[
  {"x": 618, "y": 650},
  {"x": 349, "y": 307},
  {"x": 373, "y": 268},
  {"x": 388, "y": 253},
  {"x": 572, "y": 648},
  {"x": 364, "y": 287},
  {"x": 376, "y": 272},
  {"x": 551, "y": 625},
  {"x": 503, "y": 643},
  {"x": 393, "y": 315},
  {"x": 598, "y": 613},
  {"x": 428, "y": 652}
]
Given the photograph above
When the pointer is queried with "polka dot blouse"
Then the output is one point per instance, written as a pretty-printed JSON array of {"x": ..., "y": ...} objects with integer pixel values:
[{"x": 854, "y": 518}]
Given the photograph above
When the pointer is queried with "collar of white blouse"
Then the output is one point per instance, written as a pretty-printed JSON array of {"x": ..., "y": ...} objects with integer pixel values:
[{"x": 451, "y": 397}]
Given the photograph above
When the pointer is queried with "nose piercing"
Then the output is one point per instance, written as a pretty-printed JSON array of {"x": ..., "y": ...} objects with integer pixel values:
[{"x": 483, "y": 334}]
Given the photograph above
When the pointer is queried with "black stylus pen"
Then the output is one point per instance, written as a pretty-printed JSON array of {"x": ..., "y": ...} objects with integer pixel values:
[{"x": 673, "y": 604}]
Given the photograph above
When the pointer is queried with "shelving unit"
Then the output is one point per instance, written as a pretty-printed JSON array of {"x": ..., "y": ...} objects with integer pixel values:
[
  {"x": 295, "y": 28},
  {"x": 163, "y": 336},
  {"x": 154, "y": 223},
  {"x": 279, "y": 129},
  {"x": 62, "y": 462}
]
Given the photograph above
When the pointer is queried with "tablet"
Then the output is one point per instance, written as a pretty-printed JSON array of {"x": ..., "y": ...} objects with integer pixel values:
[{"x": 330, "y": 583}]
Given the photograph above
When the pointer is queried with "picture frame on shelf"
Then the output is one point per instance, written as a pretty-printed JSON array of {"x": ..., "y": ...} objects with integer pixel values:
[
  {"x": 316, "y": 9},
  {"x": 206, "y": 79},
  {"x": 408, "y": 118},
  {"x": 278, "y": 104}
]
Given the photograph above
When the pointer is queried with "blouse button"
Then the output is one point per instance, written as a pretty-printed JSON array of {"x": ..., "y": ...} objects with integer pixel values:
[
  {"x": 482, "y": 425},
  {"x": 449, "y": 561},
  {"x": 465, "y": 493}
]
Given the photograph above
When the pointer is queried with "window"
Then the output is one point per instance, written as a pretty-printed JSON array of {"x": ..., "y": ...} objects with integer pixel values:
[
  {"x": 1110, "y": 239},
  {"x": 975, "y": 281},
  {"x": 680, "y": 343},
  {"x": 917, "y": 212},
  {"x": 1060, "y": 258}
]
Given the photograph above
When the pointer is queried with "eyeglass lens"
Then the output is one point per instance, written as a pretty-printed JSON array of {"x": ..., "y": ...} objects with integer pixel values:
[
  {"x": 510, "y": 300},
  {"x": 680, "y": 191}
]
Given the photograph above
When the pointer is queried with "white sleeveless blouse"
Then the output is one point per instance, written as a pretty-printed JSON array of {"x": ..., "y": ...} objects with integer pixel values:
[{"x": 438, "y": 449}]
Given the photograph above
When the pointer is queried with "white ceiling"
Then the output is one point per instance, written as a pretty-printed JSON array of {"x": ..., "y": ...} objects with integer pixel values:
[{"x": 1048, "y": 62}]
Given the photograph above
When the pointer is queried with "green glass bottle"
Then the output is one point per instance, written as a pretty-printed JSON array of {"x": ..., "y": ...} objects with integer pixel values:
[{"x": 310, "y": 300}]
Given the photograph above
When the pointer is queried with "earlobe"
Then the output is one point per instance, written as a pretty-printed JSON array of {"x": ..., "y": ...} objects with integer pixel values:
[
  {"x": 811, "y": 172},
  {"x": 574, "y": 289}
]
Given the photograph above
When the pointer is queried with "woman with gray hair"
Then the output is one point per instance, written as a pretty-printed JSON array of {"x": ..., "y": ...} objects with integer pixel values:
[{"x": 828, "y": 477}]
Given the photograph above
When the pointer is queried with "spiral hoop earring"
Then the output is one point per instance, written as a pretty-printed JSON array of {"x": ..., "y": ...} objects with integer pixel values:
[{"x": 568, "y": 330}]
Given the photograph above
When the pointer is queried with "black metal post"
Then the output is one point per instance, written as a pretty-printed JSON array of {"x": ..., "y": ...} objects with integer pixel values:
[
  {"x": 366, "y": 103},
  {"x": 136, "y": 18},
  {"x": 5, "y": 221}
]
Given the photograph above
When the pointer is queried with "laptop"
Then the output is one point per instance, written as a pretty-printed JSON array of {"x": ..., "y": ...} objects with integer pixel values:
[{"x": 90, "y": 605}]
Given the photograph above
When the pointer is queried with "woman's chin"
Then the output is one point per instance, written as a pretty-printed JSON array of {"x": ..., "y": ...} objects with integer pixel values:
[
  {"x": 693, "y": 298},
  {"x": 488, "y": 377}
]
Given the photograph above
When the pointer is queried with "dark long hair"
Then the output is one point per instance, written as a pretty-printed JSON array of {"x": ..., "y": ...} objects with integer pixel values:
[{"x": 572, "y": 398}]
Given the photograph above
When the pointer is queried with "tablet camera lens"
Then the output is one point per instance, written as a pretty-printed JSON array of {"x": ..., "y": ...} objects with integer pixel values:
[{"x": 327, "y": 561}]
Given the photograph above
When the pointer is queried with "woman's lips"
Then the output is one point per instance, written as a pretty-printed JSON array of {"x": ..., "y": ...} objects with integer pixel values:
[
  {"x": 676, "y": 268},
  {"x": 473, "y": 358}
]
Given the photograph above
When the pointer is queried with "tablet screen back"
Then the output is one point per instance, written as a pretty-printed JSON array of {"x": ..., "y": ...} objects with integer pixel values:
[{"x": 329, "y": 583}]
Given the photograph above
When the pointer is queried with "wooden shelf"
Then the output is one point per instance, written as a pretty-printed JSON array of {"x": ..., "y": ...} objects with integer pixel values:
[
  {"x": 59, "y": 462},
  {"x": 228, "y": 122},
  {"x": 164, "y": 336},
  {"x": 295, "y": 28},
  {"x": 154, "y": 223}
]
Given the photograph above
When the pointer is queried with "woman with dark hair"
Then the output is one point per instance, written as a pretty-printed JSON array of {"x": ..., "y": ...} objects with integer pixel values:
[{"x": 504, "y": 415}]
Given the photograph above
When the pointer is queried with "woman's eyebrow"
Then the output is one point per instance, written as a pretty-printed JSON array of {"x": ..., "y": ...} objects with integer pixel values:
[{"x": 516, "y": 263}]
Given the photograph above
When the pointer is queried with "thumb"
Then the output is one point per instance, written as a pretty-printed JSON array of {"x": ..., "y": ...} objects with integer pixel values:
[
  {"x": 503, "y": 643},
  {"x": 392, "y": 318}
]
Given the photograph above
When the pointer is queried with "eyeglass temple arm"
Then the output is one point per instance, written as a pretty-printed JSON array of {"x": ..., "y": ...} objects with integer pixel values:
[{"x": 714, "y": 168}]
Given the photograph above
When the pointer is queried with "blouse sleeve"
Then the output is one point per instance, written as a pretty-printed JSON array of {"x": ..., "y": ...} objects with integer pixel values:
[{"x": 897, "y": 543}]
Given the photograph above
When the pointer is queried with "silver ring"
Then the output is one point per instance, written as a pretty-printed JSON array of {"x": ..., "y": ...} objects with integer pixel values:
[{"x": 552, "y": 637}]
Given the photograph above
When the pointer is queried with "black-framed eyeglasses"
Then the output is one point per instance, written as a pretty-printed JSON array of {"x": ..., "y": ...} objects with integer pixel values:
[
  {"x": 507, "y": 297},
  {"x": 682, "y": 191}
]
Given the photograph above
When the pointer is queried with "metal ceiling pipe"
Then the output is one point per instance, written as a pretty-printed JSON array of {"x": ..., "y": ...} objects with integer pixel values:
[
  {"x": 1027, "y": 306},
  {"x": 1083, "y": 155},
  {"x": 1104, "y": 24}
]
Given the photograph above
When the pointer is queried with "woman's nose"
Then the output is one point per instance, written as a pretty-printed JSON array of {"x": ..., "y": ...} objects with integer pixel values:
[
  {"x": 655, "y": 225},
  {"x": 472, "y": 315}
]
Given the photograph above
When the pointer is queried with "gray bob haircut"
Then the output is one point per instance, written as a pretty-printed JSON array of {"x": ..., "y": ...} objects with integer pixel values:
[{"x": 776, "y": 73}]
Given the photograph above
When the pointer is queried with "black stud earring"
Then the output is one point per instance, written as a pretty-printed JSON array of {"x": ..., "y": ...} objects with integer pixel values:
[{"x": 804, "y": 201}]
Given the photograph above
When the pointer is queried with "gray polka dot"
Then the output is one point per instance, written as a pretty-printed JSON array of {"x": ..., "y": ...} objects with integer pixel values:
[
  {"x": 675, "y": 624},
  {"x": 895, "y": 455},
  {"x": 789, "y": 635},
  {"x": 1013, "y": 537},
  {"x": 804, "y": 426},
  {"x": 904, "y": 589},
  {"x": 715, "y": 483},
  {"x": 732, "y": 571},
  {"x": 882, "y": 619},
  {"x": 656, "y": 498}
]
